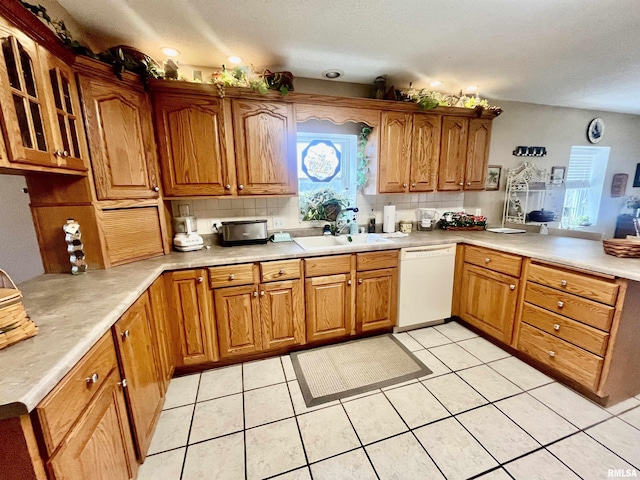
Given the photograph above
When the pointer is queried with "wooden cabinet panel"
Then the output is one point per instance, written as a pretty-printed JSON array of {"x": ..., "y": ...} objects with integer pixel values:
[
  {"x": 377, "y": 260},
  {"x": 589, "y": 338},
  {"x": 377, "y": 299},
  {"x": 322, "y": 266},
  {"x": 579, "y": 284},
  {"x": 238, "y": 320},
  {"x": 425, "y": 152},
  {"x": 282, "y": 314},
  {"x": 192, "y": 317},
  {"x": 99, "y": 447},
  {"x": 131, "y": 234},
  {"x": 191, "y": 142},
  {"x": 580, "y": 309},
  {"x": 488, "y": 301},
  {"x": 453, "y": 153},
  {"x": 64, "y": 404},
  {"x": 477, "y": 154},
  {"x": 576, "y": 363},
  {"x": 162, "y": 331},
  {"x": 26, "y": 123},
  {"x": 120, "y": 131},
  {"x": 280, "y": 270},
  {"x": 395, "y": 152},
  {"x": 493, "y": 260},
  {"x": 144, "y": 392},
  {"x": 265, "y": 147},
  {"x": 232, "y": 275},
  {"x": 328, "y": 307}
]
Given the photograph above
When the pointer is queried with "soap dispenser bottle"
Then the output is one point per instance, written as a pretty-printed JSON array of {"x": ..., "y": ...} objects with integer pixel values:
[{"x": 372, "y": 222}]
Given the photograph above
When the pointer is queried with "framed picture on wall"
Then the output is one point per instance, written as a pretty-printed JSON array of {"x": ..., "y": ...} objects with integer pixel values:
[
  {"x": 558, "y": 174},
  {"x": 619, "y": 185},
  {"x": 493, "y": 177},
  {"x": 636, "y": 177}
]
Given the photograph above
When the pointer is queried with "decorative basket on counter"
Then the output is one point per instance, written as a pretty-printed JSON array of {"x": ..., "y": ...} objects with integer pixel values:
[
  {"x": 462, "y": 221},
  {"x": 15, "y": 324},
  {"x": 622, "y": 247}
]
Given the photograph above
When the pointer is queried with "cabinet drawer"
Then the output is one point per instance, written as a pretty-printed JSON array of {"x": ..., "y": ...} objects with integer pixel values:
[
  {"x": 574, "y": 362},
  {"x": 376, "y": 260},
  {"x": 231, "y": 275},
  {"x": 121, "y": 246},
  {"x": 280, "y": 270},
  {"x": 60, "y": 408},
  {"x": 496, "y": 261},
  {"x": 333, "y": 265},
  {"x": 578, "y": 284},
  {"x": 589, "y": 338},
  {"x": 578, "y": 308}
]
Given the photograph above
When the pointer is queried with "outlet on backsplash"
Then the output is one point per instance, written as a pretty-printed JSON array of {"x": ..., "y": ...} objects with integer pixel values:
[{"x": 278, "y": 222}]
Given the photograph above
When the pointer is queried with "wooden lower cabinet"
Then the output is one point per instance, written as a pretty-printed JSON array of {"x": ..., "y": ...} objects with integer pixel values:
[
  {"x": 488, "y": 301},
  {"x": 328, "y": 303},
  {"x": 139, "y": 366},
  {"x": 162, "y": 332},
  {"x": 99, "y": 446},
  {"x": 238, "y": 320},
  {"x": 376, "y": 299},
  {"x": 192, "y": 317},
  {"x": 282, "y": 314}
]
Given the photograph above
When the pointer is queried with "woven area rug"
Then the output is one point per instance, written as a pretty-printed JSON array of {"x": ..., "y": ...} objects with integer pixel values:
[{"x": 338, "y": 371}]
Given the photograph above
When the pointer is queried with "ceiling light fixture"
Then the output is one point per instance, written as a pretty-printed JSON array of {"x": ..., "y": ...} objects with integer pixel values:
[
  {"x": 435, "y": 83},
  {"x": 170, "y": 52},
  {"x": 471, "y": 89},
  {"x": 234, "y": 59},
  {"x": 332, "y": 74}
]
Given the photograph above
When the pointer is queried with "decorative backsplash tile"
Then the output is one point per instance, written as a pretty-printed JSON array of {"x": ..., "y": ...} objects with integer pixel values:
[{"x": 220, "y": 210}]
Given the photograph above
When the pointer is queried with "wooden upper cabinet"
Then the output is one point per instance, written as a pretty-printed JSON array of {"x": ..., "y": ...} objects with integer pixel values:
[
  {"x": 191, "y": 141},
  {"x": 425, "y": 152},
  {"x": 477, "y": 154},
  {"x": 453, "y": 153},
  {"x": 265, "y": 147},
  {"x": 238, "y": 320},
  {"x": 139, "y": 363},
  {"x": 395, "y": 152},
  {"x": 120, "y": 131},
  {"x": 26, "y": 123}
]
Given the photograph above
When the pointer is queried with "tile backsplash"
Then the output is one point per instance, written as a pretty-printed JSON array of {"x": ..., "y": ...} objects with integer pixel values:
[{"x": 211, "y": 211}]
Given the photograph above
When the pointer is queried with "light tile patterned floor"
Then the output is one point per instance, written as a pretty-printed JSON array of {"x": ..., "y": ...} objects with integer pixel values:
[{"x": 482, "y": 414}]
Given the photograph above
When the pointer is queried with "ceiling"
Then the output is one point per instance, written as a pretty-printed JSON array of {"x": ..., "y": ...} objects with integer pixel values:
[{"x": 572, "y": 53}]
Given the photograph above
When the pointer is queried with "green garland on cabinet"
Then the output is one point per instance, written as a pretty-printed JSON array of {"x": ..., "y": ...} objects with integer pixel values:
[{"x": 362, "y": 157}]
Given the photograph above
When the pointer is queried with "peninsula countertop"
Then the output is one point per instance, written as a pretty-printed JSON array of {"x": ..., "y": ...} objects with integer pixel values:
[{"x": 73, "y": 312}]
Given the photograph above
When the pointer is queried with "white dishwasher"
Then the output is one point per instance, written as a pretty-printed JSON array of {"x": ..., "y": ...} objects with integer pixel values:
[{"x": 426, "y": 285}]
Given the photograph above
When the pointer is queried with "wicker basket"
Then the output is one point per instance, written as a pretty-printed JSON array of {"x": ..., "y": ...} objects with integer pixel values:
[
  {"x": 621, "y": 247},
  {"x": 15, "y": 325}
]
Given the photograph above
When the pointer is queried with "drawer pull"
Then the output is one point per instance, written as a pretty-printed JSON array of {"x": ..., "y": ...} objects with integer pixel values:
[
  {"x": 359, "y": 281},
  {"x": 255, "y": 294},
  {"x": 92, "y": 379},
  {"x": 413, "y": 185},
  {"x": 240, "y": 187},
  {"x": 563, "y": 283},
  {"x": 560, "y": 304},
  {"x": 231, "y": 277},
  {"x": 200, "y": 279},
  {"x": 227, "y": 187},
  {"x": 487, "y": 260},
  {"x": 552, "y": 353},
  {"x": 512, "y": 287},
  {"x": 156, "y": 189},
  {"x": 125, "y": 334},
  {"x": 556, "y": 327},
  {"x": 262, "y": 293},
  {"x": 123, "y": 383},
  {"x": 281, "y": 272},
  {"x": 461, "y": 184},
  {"x": 348, "y": 282}
]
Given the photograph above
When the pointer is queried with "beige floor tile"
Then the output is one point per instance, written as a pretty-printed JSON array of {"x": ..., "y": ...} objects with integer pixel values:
[
  {"x": 454, "y": 393},
  {"x": 498, "y": 474},
  {"x": 432, "y": 363},
  {"x": 540, "y": 465},
  {"x": 289, "y": 372},
  {"x": 163, "y": 466},
  {"x": 455, "y": 357},
  {"x": 327, "y": 432},
  {"x": 374, "y": 418},
  {"x": 218, "y": 459},
  {"x": 519, "y": 373},
  {"x": 220, "y": 382},
  {"x": 262, "y": 373},
  {"x": 429, "y": 337},
  {"x": 632, "y": 417},
  {"x": 353, "y": 465},
  {"x": 489, "y": 383},
  {"x": 416, "y": 405},
  {"x": 182, "y": 391},
  {"x": 455, "y": 331},
  {"x": 217, "y": 417},
  {"x": 620, "y": 437},
  {"x": 402, "y": 458},
  {"x": 623, "y": 406},
  {"x": 408, "y": 341},
  {"x": 299, "y": 474},
  {"x": 267, "y": 404},
  {"x": 298, "y": 400},
  {"x": 483, "y": 349},
  {"x": 172, "y": 430}
]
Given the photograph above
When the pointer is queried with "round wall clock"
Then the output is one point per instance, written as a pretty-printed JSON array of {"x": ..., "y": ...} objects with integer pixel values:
[{"x": 595, "y": 130}]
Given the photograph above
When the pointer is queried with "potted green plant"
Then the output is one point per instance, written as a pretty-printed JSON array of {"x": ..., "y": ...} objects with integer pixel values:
[{"x": 322, "y": 204}]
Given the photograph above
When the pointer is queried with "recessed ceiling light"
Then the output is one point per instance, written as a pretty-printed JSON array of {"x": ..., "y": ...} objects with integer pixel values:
[
  {"x": 170, "y": 52},
  {"x": 234, "y": 59},
  {"x": 435, "y": 83},
  {"x": 332, "y": 73},
  {"x": 471, "y": 88}
]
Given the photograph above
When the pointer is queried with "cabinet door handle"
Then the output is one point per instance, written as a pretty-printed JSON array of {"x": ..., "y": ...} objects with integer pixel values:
[
  {"x": 563, "y": 283},
  {"x": 552, "y": 353},
  {"x": 348, "y": 282},
  {"x": 512, "y": 287},
  {"x": 125, "y": 334},
  {"x": 556, "y": 327},
  {"x": 359, "y": 281},
  {"x": 281, "y": 272},
  {"x": 123, "y": 383},
  {"x": 227, "y": 187},
  {"x": 461, "y": 184},
  {"x": 232, "y": 276},
  {"x": 240, "y": 187},
  {"x": 560, "y": 304},
  {"x": 413, "y": 185},
  {"x": 487, "y": 260},
  {"x": 262, "y": 293},
  {"x": 255, "y": 294},
  {"x": 404, "y": 185},
  {"x": 468, "y": 184},
  {"x": 200, "y": 279},
  {"x": 92, "y": 379},
  {"x": 59, "y": 153},
  {"x": 156, "y": 189}
]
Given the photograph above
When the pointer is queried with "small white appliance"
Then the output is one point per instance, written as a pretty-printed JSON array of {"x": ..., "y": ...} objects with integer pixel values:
[
  {"x": 186, "y": 238},
  {"x": 426, "y": 286}
]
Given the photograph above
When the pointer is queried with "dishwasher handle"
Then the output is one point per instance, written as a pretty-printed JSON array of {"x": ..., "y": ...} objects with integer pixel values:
[{"x": 427, "y": 251}]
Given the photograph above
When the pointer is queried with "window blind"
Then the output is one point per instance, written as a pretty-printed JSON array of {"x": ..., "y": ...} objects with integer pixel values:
[{"x": 580, "y": 171}]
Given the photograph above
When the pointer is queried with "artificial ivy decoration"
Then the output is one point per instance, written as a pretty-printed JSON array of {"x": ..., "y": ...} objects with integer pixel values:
[{"x": 362, "y": 157}]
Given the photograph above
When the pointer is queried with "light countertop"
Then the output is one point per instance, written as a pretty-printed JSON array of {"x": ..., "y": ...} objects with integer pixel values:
[{"x": 73, "y": 312}]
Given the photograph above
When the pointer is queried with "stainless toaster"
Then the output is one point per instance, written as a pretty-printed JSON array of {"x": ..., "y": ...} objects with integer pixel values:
[{"x": 244, "y": 232}]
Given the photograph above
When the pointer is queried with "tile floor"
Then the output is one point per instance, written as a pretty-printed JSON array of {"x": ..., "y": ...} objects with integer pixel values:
[{"x": 481, "y": 414}]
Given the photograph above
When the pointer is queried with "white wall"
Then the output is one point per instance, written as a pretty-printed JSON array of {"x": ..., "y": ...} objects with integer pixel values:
[
  {"x": 19, "y": 253},
  {"x": 558, "y": 129}
]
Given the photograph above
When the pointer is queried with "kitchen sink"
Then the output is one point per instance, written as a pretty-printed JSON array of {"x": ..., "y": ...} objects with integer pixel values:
[{"x": 326, "y": 242}]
